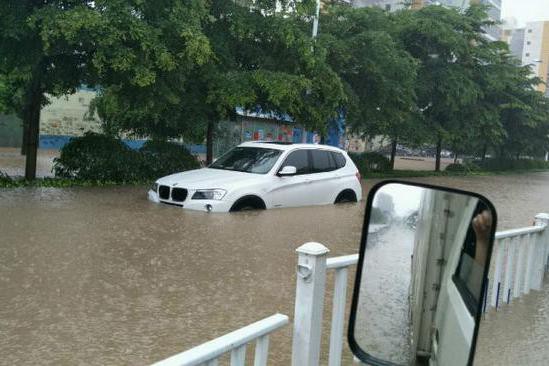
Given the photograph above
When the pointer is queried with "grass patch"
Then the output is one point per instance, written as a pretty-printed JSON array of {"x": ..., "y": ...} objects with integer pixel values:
[
  {"x": 431, "y": 173},
  {"x": 65, "y": 183}
]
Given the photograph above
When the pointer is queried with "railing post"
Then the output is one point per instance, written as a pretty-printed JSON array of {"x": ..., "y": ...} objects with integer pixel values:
[
  {"x": 496, "y": 281},
  {"x": 338, "y": 317},
  {"x": 309, "y": 303},
  {"x": 540, "y": 220}
]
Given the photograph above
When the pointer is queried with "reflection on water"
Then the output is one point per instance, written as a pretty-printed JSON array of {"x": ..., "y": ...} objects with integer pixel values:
[{"x": 101, "y": 276}]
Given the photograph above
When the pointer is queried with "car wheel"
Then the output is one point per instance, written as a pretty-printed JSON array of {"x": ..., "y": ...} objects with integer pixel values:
[
  {"x": 248, "y": 203},
  {"x": 347, "y": 195}
]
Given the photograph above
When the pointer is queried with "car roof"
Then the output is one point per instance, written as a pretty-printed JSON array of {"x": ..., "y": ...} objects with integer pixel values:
[{"x": 285, "y": 146}]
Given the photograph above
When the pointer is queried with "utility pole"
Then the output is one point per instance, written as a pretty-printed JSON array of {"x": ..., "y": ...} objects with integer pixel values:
[{"x": 315, "y": 20}]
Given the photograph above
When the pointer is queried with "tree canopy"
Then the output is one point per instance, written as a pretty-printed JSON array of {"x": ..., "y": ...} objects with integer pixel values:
[
  {"x": 175, "y": 68},
  {"x": 258, "y": 57}
]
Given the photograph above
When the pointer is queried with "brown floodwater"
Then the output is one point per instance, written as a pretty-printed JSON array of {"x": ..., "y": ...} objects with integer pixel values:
[{"x": 101, "y": 276}]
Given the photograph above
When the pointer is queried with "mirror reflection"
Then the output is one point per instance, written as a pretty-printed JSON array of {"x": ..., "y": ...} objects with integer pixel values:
[{"x": 422, "y": 275}]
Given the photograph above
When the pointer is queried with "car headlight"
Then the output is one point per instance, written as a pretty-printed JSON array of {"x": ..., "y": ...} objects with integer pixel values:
[
  {"x": 209, "y": 194},
  {"x": 154, "y": 187}
]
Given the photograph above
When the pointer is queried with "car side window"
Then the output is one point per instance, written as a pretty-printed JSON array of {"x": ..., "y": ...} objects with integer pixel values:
[
  {"x": 339, "y": 159},
  {"x": 299, "y": 159},
  {"x": 322, "y": 161}
]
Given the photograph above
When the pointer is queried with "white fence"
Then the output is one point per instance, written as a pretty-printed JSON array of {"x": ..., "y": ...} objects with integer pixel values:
[
  {"x": 519, "y": 262},
  {"x": 208, "y": 353}
]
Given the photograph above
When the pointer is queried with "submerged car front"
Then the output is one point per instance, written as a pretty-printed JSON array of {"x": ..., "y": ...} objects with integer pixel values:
[{"x": 239, "y": 173}]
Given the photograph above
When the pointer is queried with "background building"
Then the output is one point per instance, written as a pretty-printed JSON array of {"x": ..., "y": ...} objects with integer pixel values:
[
  {"x": 530, "y": 45},
  {"x": 66, "y": 117},
  {"x": 494, "y": 12},
  {"x": 535, "y": 51}
]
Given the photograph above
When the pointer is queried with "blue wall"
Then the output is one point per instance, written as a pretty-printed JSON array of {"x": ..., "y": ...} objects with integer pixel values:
[
  {"x": 336, "y": 130},
  {"x": 57, "y": 142}
]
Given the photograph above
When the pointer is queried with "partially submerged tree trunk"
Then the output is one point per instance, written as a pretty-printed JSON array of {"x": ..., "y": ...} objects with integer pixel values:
[
  {"x": 393, "y": 152},
  {"x": 484, "y": 149},
  {"x": 33, "y": 129},
  {"x": 438, "y": 152},
  {"x": 209, "y": 142},
  {"x": 31, "y": 121}
]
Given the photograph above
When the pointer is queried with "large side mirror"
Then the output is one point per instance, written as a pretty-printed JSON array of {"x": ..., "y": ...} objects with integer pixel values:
[
  {"x": 287, "y": 170},
  {"x": 421, "y": 276}
]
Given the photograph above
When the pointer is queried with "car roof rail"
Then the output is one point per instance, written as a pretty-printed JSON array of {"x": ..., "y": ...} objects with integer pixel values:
[{"x": 274, "y": 142}]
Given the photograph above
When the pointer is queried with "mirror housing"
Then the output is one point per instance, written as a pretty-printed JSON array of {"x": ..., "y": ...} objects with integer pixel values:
[
  {"x": 421, "y": 276},
  {"x": 287, "y": 170}
]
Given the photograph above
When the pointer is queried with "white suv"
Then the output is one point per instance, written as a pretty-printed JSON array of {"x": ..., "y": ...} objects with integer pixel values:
[{"x": 260, "y": 175}]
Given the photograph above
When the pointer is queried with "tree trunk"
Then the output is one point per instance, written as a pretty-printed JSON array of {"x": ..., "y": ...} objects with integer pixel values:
[
  {"x": 25, "y": 135},
  {"x": 31, "y": 120},
  {"x": 209, "y": 142},
  {"x": 32, "y": 138},
  {"x": 484, "y": 149},
  {"x": 393, "y": 152},
  {"x": 437, "y": 157},
  {"x": 455, "y": 157}
]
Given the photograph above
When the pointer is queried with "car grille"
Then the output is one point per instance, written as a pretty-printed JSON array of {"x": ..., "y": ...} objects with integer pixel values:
[
  {"x": 164, "y": 192},
  {"x": 179, "y": 194}
]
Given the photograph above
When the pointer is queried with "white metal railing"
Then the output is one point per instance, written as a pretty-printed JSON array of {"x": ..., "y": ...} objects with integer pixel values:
[
  {"x": 340, "y": 265},
  {"x": 234, "y": 342},
  {"x": 527, "y": 247},
  {"x": 519, "y": 262}
]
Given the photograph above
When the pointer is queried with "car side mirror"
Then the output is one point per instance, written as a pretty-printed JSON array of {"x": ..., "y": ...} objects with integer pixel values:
[
  {"x": 422, "y": 275},
  {"x": 287, "y": 170}
]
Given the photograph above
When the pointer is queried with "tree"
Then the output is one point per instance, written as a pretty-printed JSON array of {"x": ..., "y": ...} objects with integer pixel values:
[
  {"x": 526, "y": 122},
  {"x": 378, "y": 73},
  {"x": 51, "y": 47},
  {"x": 261, "y": 57},
  {"x": 446, "y": 42}
]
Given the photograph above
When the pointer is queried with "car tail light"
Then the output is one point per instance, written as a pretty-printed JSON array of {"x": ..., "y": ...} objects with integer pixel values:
[{"x": 358, "y": 176}]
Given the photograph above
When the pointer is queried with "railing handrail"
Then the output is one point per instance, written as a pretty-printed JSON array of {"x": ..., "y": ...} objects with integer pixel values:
[
  {"x": 351, "y": 259},
  {"x": 217, "y": 347},
  {"x": 341, "y": 261},
  {"x": 520, "y": 231}
]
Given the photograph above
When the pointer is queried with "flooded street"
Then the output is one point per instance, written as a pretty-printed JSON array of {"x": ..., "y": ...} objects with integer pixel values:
[
  {"x": 382, "y": 315},
  {"x": 101, "y": 276}
]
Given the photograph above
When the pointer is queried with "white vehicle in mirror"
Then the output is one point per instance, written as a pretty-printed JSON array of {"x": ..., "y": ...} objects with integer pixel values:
[{"x": 261, "y": 175}]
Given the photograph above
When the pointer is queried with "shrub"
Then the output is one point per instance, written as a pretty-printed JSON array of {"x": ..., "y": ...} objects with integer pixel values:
[
  {"x": 163, "y": 158},
  {"x": 500, "y": 164},
  {"x": 456, "y": 167},
  {"x": 98, "y": 157},
  {"x": 471, "y": 166},
  {"x": 5, "y": 180},
  {"x": 370, "y": 162}
]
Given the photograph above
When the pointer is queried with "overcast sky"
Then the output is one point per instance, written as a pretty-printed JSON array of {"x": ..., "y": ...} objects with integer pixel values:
[
  {"x": 405, "y": 198},
  {"x": 525, "y": 10}
]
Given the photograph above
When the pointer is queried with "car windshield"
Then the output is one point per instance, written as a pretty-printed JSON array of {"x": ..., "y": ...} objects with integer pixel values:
[{"x": 248, "y": 159}]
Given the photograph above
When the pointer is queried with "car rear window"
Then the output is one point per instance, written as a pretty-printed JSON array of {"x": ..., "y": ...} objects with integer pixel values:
[
  {"x": 322, "y": 161},
  {"x": 339, "y": 159}
]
